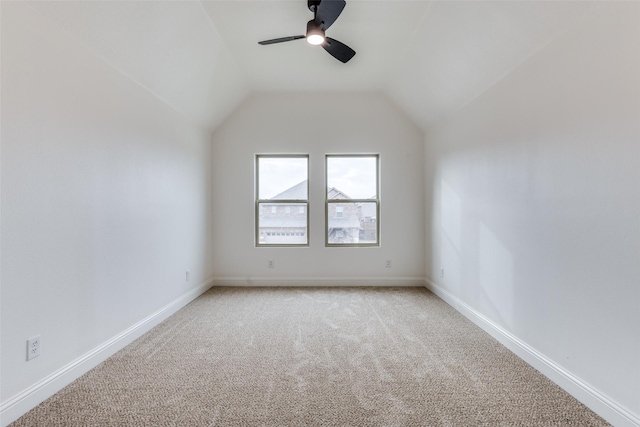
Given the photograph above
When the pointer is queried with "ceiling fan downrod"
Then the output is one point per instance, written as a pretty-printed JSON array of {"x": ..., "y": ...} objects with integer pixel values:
[{"x": 313, "y": 6}]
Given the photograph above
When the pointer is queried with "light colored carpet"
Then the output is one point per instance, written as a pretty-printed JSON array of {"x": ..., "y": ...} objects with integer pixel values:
[{"x": 313, "y": 357}]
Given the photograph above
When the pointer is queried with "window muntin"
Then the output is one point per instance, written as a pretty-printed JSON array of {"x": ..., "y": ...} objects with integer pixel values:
[
  {"x": 282, "y": 189},
  {"x": 352, "y": 202}
]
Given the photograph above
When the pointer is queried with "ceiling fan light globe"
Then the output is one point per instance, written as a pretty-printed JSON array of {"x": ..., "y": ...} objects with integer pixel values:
[
  {"x": 315, "y": 33},
  {"x": 315, "y": 39}
]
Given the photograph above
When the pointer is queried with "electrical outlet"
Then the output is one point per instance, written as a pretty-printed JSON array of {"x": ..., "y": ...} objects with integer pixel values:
[
  {"x": 33, "y": 347},
  {"x": 187, "y": 275},
  {"x": 387, "y": 263},
  {"x": 270, "y": 263},
  {"x": 442, "y": 273}
]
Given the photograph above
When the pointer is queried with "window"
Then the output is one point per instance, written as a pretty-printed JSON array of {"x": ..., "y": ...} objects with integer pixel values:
[
  {"x": 352, "y": 202},
  {"x": 282, "y": 200}
]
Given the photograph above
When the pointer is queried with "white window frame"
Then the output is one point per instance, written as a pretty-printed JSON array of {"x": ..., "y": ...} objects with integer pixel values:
[
  {"x": 285, "y": 202},
  {"x": 328, "y": 201}
]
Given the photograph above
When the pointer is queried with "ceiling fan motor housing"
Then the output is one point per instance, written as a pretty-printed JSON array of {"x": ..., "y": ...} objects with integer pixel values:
[{"x": 314, "y": 28}]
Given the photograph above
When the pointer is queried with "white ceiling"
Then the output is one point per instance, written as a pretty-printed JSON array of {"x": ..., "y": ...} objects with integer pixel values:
[
  {"x": 202, "y": 57},
  {"x": 376, "y": 30}
]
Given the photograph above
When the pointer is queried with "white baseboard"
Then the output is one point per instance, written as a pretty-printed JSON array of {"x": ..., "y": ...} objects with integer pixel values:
[
  {"x": 318, "y": 281},
  {"x": 585, "y": 393},
  {"x": 18, "y": 405}
]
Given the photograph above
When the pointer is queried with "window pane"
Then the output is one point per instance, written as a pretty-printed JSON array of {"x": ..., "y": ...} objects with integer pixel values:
[
  {"x": 281, "y": 200},
  {"x": 352, "y": 223},
  {"x": 352, "y": 201},
  {"x": 282, "y": 178},
  {"x": 352, "y": 177},
  {"x": 282, "y": 223},
  {"x": 368, "y": 223}
]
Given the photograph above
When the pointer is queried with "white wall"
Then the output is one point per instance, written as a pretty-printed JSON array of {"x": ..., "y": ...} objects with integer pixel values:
[
  {"x": 536, "y": 206},
  {"x": 317, "y": 124},
  {"x": 106, "y": 201}
]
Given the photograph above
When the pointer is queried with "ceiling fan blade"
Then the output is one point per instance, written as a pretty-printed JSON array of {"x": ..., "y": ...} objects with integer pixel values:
[
  {"x": 338, "y": 50},
  {"x": 328, "y": 11},
  {"x": 280, "y": 40}
]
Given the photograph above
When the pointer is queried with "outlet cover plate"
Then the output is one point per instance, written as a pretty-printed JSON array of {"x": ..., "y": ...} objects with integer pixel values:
[{"x": 33, "y": 347}]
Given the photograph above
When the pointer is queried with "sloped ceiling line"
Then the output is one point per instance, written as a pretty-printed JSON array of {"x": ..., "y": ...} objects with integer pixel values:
[
  {"x": 201, "y": 57},
  {"x": 171, "y": 49}
]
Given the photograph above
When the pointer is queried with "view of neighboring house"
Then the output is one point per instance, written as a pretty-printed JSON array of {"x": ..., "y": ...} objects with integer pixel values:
[
  {"x": 344, "y": 219},
  {"x": 368, "y": 223},
  {"x": 285, "y": 222}
]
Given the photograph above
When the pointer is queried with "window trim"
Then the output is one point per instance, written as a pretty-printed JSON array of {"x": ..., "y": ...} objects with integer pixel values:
[
  {"x": 354, "y": 201},
  {"x": 259, "y": 201}
]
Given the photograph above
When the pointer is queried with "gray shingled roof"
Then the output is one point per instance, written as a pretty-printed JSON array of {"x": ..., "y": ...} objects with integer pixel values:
[
  {"x": 334, "y": 193},
  {"x": 297, "y": 192}
]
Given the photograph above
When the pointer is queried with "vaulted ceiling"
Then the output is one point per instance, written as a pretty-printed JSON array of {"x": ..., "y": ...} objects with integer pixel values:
[{"x": 202, "y": 57}]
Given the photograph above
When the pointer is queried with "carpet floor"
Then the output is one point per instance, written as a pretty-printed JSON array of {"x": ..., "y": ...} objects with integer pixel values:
[{"x": 313, "y": 357}]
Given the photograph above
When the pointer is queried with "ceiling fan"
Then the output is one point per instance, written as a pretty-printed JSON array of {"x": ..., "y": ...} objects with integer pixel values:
[{"x": 325, "y": 13}]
